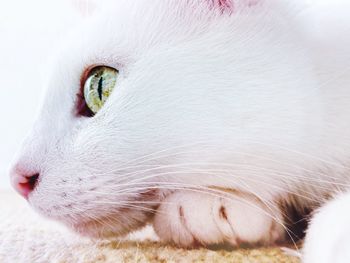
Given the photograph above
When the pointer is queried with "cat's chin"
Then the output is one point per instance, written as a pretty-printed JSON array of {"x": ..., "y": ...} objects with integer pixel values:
[
  {"x": 102, "y": 229},
  {"x": 119, "y": 223},
  {"x": 96, "y": 224},
  {"x": 110, "y": 226},
  {"x": 103, "y": 219}
]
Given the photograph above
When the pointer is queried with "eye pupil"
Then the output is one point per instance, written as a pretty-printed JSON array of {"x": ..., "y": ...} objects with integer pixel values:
[{"x": 99, "y": 89}]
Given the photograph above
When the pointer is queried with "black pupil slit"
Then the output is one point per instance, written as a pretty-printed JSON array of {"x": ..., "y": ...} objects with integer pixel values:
[{"x": 99, "y": 89}]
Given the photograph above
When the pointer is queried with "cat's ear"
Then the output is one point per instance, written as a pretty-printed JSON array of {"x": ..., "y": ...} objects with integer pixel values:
[
  {"x": 85, "y": 7},
  {"x": 233, "y": 5},
  {"x": 224, "y": 4}
]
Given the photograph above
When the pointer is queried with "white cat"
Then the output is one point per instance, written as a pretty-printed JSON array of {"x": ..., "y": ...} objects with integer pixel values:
[{"x": 208, "y": 118}]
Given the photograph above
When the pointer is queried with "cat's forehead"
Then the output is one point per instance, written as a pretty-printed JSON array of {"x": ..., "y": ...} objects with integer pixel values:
[
  {"x": 129, "y": 28},
  {"x": 123, "y": 31}
]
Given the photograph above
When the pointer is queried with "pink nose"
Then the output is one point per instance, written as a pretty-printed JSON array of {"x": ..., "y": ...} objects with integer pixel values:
[{"x": 24, "y": 183}]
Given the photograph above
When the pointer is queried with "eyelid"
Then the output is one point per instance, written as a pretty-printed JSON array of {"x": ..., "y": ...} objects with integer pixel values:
[{"x": 81, "y": 108}]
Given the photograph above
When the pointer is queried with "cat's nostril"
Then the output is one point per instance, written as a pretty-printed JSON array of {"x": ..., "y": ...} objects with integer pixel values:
[{"x": 25, "y": 184}]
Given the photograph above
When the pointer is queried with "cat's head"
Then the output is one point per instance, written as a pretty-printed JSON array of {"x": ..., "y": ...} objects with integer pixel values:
[{"x": 193, "y": 83}]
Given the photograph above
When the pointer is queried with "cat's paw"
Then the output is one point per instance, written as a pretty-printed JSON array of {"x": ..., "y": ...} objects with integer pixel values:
[
  {"x": 328, "y": 237},
  {"x": 190, "y": 218}
]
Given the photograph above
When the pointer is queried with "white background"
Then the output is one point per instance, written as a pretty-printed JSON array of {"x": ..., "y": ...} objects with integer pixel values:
[{"x": 28, "y": 31}]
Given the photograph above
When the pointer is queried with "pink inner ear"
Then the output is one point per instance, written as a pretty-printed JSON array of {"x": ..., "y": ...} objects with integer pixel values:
[
  {"x": 231, "y": 5},
  {"x": 85, "y": 7},
  {"x": 224, "y": 3}
]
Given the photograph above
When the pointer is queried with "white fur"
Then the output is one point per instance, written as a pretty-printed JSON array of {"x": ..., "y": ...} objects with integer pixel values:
[
  {"x": 256, "y": 101},
  {"x": 328, "y": 238},
  {"x": 192, "y": 218}
]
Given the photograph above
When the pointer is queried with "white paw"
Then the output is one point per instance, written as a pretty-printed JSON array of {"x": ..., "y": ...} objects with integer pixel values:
[
  {"x": 190, "y": 218},
  {"x": 328, "y": 237}
]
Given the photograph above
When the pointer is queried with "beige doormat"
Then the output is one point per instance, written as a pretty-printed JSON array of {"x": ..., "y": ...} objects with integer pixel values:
[{"x": 26, "y": 237}]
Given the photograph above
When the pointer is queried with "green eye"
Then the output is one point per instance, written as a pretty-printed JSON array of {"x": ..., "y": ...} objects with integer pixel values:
[{"x": 98, "y": 86}]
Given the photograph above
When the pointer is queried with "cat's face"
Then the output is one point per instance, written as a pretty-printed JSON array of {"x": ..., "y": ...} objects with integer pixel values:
[{"x": 197, "y": 85}]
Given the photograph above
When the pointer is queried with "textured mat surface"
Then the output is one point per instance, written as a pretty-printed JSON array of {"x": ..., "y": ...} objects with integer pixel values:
[{"x": 25, "y": 237}]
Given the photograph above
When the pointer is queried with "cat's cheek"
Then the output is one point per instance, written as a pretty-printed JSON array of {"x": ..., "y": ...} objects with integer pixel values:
[{"x": 328, "y": 237}]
